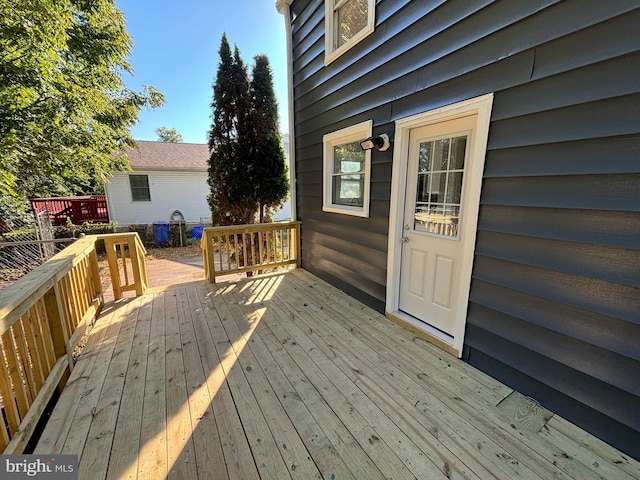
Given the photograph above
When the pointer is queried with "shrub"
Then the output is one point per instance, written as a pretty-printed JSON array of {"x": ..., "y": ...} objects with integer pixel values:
[{"x": 73, "y": 231}]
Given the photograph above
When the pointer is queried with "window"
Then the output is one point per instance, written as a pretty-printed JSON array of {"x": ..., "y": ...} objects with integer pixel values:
[
  {"x": 347, "y": 169},
  {"x": 346, "y": 23},
  {"x": 139, "y": 188},
  {"x": 439, "y": 188}
]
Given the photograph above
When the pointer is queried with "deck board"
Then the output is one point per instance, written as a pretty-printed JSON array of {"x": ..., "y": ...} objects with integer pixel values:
[
  {"x": 383, "y": 437},
  {"x": 206, "y": 437},
  {"x": 124, "y": 458},
  {"x": 181, "y": 458},
  {"x": 109, "y": 408},
  {"x": 431, "y": 398},
  {"x": 237, "y": 453},
  {"x": 152, "y": 453},
  {"x": 394, "y": 392},
  {"x": 295, "y": 455},
  {"x": 330, "y": 443},
  {"x": 283, "y": 376}
]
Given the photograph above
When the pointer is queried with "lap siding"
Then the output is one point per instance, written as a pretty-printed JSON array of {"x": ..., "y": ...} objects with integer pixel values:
[{"x": 561, "y": 180}]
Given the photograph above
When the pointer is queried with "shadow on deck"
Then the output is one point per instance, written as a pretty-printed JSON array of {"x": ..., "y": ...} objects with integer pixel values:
[{"x": 283, "y": 376}]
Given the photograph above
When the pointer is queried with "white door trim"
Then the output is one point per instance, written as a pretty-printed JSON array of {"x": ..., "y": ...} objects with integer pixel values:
[{"x": 480, "y": 106}]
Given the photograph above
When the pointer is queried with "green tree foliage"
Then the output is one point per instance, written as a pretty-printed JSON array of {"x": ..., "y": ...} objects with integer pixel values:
[
  {"x": 267, "y": 158},
  {"x": 168, "y": 135},
  {"x": 231, "y": 199},
  {"x": 247, "y": 169},
  {"x": 64, "y": 109}
]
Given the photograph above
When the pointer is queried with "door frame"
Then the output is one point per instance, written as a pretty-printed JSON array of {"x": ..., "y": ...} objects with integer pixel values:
[{"x": 480, "y": 106}]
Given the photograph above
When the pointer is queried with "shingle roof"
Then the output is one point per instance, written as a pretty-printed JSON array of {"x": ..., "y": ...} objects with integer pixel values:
[{"x": 168, "y": 156}]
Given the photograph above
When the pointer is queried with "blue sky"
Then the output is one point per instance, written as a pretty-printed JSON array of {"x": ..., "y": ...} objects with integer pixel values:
[{"x": 176, "y": 50}]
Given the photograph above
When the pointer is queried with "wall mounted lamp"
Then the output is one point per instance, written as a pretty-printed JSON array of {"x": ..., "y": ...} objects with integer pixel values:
[{"x": 381, "y": 142}]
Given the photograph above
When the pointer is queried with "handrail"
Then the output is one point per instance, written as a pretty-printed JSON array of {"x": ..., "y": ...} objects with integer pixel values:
[
  {"x": 126, "y": 255},
  {"x": 42, "y": 318},
  {"x": 249, "y": 248}
]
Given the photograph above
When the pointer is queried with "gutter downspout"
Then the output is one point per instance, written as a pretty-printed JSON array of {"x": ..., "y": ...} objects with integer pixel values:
[{"x": 283, "y": 7}]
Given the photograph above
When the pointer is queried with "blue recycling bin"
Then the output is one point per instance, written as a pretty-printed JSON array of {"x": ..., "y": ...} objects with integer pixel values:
[
  {"x": 161, "y": 234},
  {"x": 196, "y": 232}
]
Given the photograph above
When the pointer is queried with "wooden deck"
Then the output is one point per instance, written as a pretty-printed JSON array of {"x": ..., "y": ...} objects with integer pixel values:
[{"x": 283, "y": 376}]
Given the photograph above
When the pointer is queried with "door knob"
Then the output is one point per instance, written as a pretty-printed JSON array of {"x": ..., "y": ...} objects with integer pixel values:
[{"x": 404, "y": 239}]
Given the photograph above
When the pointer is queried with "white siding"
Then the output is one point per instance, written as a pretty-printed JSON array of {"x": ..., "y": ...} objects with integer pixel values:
[{"x": 170, "y": 191}]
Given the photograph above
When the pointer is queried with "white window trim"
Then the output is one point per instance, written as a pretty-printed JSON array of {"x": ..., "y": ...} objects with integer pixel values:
[
  {"x": 330, "y": 52},
  {"x": 346, "y": 135}
]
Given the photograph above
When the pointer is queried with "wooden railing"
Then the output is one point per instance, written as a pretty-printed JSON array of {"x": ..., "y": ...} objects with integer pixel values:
[
  {"x": 43, "y": 317},
  {"x": 90, "y": 208},
  {"x": 127, "y": 267},
  {"x": 249, "y": 248}
]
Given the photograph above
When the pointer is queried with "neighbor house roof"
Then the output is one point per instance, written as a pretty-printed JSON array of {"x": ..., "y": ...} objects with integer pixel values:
[{"x": 168, "y": 156}]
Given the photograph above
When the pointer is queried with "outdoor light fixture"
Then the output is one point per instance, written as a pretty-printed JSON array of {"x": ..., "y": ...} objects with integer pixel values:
[{"x": 381, "y": 142}]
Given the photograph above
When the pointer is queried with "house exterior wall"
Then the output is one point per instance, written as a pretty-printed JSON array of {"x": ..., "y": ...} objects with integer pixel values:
[
  {"x": 169, "y": 190},
  {"x": 554, "y": 308}
]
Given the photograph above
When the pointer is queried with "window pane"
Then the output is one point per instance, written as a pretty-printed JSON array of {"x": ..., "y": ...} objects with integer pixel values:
[
  {"x": 138, "y": 181},
  {"x": 348, "y": 158},
  {"x": 439, "y": 186},
  {"x": 351, "y": 18},
  {"x": 441, "y": 154},
  {"x": 348, "y": 190},
  {"x": 424, "y": 157},
  {"x": 454, "y": 187},
  {"x": 423, "y": 188},
  {"x": 437, "y": 219},
  {"x": 139, "y": 188},
  {"x": 458, "y": 150}
]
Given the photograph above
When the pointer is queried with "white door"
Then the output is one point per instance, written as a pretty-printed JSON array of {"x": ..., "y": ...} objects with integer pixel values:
[{"x": 435, "y": 236}]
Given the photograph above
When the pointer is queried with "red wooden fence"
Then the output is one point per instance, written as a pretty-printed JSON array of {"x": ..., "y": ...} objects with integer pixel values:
[{"x": 90, "y": 208}]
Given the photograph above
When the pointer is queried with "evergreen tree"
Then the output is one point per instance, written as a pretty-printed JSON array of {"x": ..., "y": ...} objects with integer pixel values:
[
  {"x": 267, "y": 158},
  {"x": 231, "y": 199},
  {"x": 247, "y": 169}
]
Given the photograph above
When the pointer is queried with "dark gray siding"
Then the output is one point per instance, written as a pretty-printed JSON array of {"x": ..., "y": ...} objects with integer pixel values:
[{"x": 555, "y": 297}]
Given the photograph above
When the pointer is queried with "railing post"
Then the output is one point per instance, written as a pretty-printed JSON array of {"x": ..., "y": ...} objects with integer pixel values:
[
  {"x": 296, "y": 233},
  {"x": 208, "y": 254},
  {"x": 95, "y": 275},
  {"x": 142, "y": 264},
  {"x": 136, "y": 261},
  {"x": 112, "y": 259},
  {"x": 137, "y": 264}
]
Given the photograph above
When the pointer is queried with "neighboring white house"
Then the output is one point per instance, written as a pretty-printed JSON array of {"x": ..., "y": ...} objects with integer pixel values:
[{"x": 165, "y": 178}]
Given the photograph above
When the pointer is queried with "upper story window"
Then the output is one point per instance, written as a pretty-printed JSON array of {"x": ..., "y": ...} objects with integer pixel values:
[
  {"x": 139, "y": 188},
  {"x": 347, "y": 171},
  {"x": 346, "y": 23}
]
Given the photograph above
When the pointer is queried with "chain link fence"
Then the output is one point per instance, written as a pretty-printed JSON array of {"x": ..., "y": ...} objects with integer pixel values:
[{"x": 25, "y": 244}]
